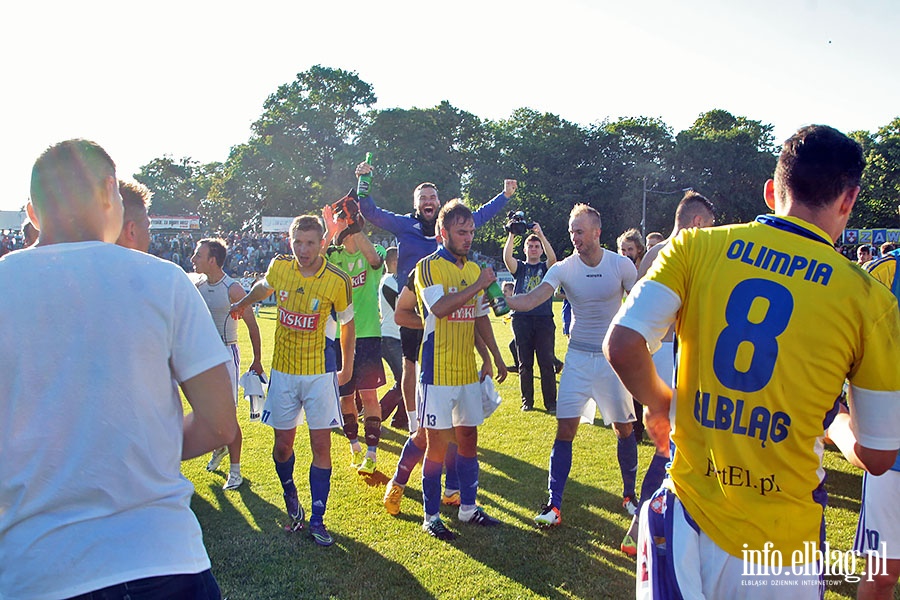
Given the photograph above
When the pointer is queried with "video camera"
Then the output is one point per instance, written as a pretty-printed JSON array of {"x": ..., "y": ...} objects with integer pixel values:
[{"x": 517, "y": 225}]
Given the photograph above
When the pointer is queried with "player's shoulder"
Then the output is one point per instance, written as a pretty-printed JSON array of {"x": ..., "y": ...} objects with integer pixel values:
[
  {"x": 333, "y": 271},
  {"x": 886, "y": 262}
]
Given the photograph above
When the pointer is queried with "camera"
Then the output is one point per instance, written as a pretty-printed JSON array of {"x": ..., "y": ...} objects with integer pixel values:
[{"x": 517, "y": 225}]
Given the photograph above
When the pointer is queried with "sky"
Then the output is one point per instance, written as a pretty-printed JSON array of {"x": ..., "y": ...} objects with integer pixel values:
[{"x": 187, "y": 78}]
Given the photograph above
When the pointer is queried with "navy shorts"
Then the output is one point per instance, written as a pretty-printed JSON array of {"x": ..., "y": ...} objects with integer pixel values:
[{"x": 411, "y": 341}]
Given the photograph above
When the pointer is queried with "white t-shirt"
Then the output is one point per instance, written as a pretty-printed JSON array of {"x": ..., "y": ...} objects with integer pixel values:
[
  {"x": 595, "y": 293},
  {"x": 389, "y": 327},
  {"x": 95, "y": 338}
]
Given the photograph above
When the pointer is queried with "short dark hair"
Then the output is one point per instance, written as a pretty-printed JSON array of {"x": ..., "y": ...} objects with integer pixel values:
[
  {"x": 135, "y": 198},
  {"x": 533, "y": 238},
  {"x": 817, "y": 164},
  {"x": 68, "y": 173},
  {"x": 390, "y": 254},
  {"x": 307, "y": 223},
  {"x": 217, "y": 248},
  {"x": 691, "y": 205},
  {"x": 453, "y": 212},
  {"x": 424, "y": 185}
]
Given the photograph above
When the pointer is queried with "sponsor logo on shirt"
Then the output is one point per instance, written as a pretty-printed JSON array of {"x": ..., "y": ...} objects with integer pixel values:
[
  {"x": 298, "y": 321},
  {"x": 463, "y": 313},
  {"x": 359, "y": 280}
]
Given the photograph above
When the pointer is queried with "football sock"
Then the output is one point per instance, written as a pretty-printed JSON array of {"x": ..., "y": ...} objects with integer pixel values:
[
  {"x": 285, "y": 472},
  {"x": 560, "y": 465},
  {"x": 351, "y": 427},
  {"x": 431, "y": 486},
  {"x": 467, "y": 467},
  {"x": 626, "y": 452},
  {"x": 319, "y": 487},
  {"x": 654, "y": 476},
  {"x": 372, "y": 426},
  {"x": 410, "y": 456}
]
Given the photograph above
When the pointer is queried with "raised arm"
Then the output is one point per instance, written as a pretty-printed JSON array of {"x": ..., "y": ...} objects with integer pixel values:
[
  {"x": 508, "y": 260},
  {"x": 548, "y": 249},
  {"x": 489, "y": 210}
]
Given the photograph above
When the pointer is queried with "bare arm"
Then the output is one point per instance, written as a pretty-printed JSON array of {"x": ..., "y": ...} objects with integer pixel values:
[
  {"x": 405, "y": 314},
  {"x": 548, "y": 249},
  {"x": 648, "y": 259},
  {"x": 367, "y": 249},
  {"x": 508, "y": 259},
  {"x": 534, "y": 298},
  {"x": 627, "y": 353},
  {"x": 841, "y": 435},
  {"x": 348, "y": 349},
  {"x": 235, "y": 294},
  {"x": 213, "y": 421},
  {"x": 484, "y": 330},
  {"x": 259, "y": 292}
]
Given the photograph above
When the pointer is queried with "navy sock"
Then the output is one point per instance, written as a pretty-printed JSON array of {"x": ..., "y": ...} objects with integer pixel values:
[
  {"x": 560, "y": 465},
  {"x": 410, "y": 456},
  {"x": 451, "y": 481},
  {"x": 654, "y": 476},
  {"x": 626, "y": 451},
  {"x": 319, "y": 487},
  {"x": 285, "y": 471},
  {"x": 431, "y": 486},
  {"x": 468, "y": 479}
]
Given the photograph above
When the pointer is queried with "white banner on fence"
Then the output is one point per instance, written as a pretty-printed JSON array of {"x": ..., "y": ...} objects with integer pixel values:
[{"x": 276, "y": 224}]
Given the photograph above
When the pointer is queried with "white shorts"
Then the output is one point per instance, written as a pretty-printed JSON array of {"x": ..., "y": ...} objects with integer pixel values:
[
  {"x": 879, "y": 516},
  {"x": 317, "y": 395},
  {"x": 234, "y": 366},
  {"x": 449, "y": 406},
  {"x": 664, "y": 361},
  {"x": 588, "y": 382},
  {"x": 677, "y": 560}
]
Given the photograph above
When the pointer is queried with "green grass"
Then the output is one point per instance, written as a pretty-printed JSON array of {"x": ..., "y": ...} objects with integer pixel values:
[{"x": 380, "y": 556}]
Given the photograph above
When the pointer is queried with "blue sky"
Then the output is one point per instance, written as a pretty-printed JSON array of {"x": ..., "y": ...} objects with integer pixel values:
[{"x": 188, "y": 78}]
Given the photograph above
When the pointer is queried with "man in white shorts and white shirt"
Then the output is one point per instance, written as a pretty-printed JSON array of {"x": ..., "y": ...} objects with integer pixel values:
[
  {"x": 595, "y": 281},
  {"x": 220, "y": 291}
]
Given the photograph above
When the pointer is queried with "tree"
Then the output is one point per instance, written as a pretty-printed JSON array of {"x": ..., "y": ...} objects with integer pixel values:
[
  {"x": 727, "y": 159},
  {"x": 629, "y": 151},
  {"x": 411, "y": 146},
  {"x": 298, "y": 157},
  {"x": 548, "y": 155},
  {"x": 879, "y": 196},
  {"x": 178, "y": 186}
]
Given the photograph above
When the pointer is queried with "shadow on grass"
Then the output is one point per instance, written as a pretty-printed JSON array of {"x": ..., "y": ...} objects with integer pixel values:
[{"x": 261, "y": 561}]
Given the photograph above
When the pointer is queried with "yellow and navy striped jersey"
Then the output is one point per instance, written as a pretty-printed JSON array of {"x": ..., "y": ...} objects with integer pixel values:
[
  {"x": 447, "y": 356},
  {"x": 307, "y": 311},
  {"x": 772, "y": 321},
  {"x": 885, "y": 270}
]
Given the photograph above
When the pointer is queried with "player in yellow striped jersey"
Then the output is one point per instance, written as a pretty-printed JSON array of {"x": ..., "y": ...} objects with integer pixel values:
[
  {"x": 449, "y": 289},
  {"x": 311, "y": 295},
  {"x": 770, "y": 321}
]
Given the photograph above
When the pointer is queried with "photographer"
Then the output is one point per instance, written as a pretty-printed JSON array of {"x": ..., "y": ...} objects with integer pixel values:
[{"x": 534, "y": 330}]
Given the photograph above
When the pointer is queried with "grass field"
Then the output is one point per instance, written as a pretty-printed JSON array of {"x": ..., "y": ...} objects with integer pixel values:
[{"x": 379, "y": 556}]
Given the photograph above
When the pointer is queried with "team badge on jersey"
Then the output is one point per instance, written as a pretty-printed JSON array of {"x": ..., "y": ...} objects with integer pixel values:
[{"x": 283, "y": 295}]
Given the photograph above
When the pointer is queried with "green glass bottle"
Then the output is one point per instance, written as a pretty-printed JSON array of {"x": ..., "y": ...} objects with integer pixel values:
[{"x": 364, "y": 185}]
